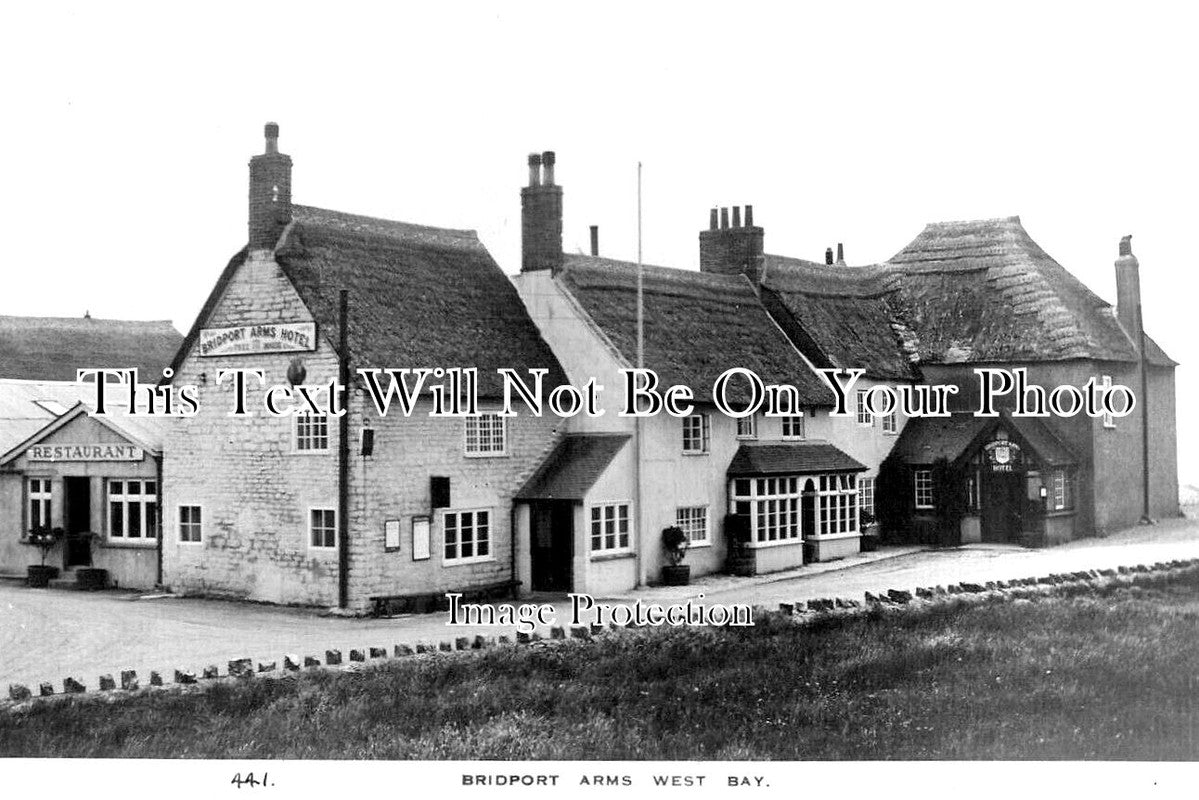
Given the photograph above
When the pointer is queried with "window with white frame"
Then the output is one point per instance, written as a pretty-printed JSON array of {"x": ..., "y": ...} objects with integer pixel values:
[
  {"x": 1109, "y": 420},
  {"x": 322, "y": 528},
  {"x": 486, "y": 435},
  {"x": 191, "y": 524},
  {"x": 312, "y": 432},
  {"x": 864, "y": 417},
  {"x": 837, "y": 496},
  {"x": 694, "y": 522},
  {"x": 891, "y": 423},
  {"x": 923, "y": 480},
  {"x": 695, "y": 433},
  {"x": 132, "y": 510},
  {"x": 1061, "y": 490},
  {"x": 40, "y": 496},
  {"x": 610, "y": 527},
  {"x": 866, "y": 496},
  {"x": 747, "y": 427},
  {"x": 467, "y": 535},
  {"x": 772, "y": 505},
  {"x": 793, "y": 426}
]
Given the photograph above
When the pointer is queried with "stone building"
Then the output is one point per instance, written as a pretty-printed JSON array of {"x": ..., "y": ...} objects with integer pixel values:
[{"x": 363, "y": 509}]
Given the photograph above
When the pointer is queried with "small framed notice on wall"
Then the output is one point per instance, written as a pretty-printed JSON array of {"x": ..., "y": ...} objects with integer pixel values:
[
  {"x": 420, "y": 538},
  {"x": 391, "y": 535}
]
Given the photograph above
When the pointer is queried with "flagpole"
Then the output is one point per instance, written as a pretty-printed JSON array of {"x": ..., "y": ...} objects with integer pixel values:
[
  {"x": 639, "y": 453},
  {"x": 640, "y": 282}
]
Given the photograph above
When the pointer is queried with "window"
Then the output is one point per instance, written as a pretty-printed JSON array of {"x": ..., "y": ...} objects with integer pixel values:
[
  {"x": 972, "y": 501},
  {"x": 1061, "y": 490},
  {"x": 924, "y": 488},
  {"x": 610, "y": 527},
  {"x": 773, "y": 508},
  {"x": 694, "y": 522},
  {"x": 190, "y": 524},
  {"x": 747, "y": 427},
  {"x": 312, "y": 433},
  {"x": 866, "y": 496},
  {"x": 793, "y": 427},
  {"x": 864, "y": 417},
  {"x": 133, "y": 510},
  {"x": 467, "y": 535},
  {"x": 39, "y": 502},
  {"x": 1109, "y": 420},
  {"x": 838, "y": 501},
  {"x": 695, "y": 433},
  {"x": 486, "y": 435},
  {"x": 322, "y": 528},
  {"x": 890, "y": 424}
]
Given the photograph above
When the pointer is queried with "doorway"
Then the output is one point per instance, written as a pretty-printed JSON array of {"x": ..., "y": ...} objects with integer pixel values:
[
  {"x": 77, "y": 519},
  {"x": 1002, "y": 506},
  {"x": 552, "y": 545},
  {"x": 807, "y": 509}
]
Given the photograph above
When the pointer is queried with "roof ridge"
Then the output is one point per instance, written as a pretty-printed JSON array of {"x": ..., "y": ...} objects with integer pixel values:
[{"x": 375, "y": 224}]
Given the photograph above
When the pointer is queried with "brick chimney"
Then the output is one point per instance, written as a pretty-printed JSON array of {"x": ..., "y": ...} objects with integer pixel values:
[
  {"x": 541, "y": 216},
  {"x": 1128, "y": 290},
  {"x": 735, "y": 249},
  {"x": 270, "y": 193}
]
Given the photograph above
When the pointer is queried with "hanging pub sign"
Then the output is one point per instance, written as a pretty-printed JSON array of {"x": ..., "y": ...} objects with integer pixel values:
[
  {"x": 280, "y": 337},
  {"x": 84, "y": 452},
  {"x": 1003, "y": 455}
]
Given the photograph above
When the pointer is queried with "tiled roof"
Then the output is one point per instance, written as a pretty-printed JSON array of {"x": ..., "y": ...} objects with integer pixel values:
[
  {"x": 573, "y": 466},
  {"x": 926, "y": 439},
  {"x": 697, "y": 325},
  {"x": 26, "y": 406},
  {"x": 53, "y": 348},
  {"x": 792, "y": 458}
]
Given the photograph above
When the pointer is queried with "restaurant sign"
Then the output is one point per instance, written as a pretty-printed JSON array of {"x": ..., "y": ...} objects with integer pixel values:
[
  {"x": 1002, "y": 455},
  {"x": 84, "y": 452},
  {"x": 282, "y": 337}
]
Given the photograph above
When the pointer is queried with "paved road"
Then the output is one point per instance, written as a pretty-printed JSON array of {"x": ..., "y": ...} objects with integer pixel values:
[{"x": 46, "y": 635}]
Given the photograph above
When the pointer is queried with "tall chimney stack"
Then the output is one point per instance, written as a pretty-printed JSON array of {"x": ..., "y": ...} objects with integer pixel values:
[
  {"x": 270, "y": 193},
  {"x": 840, "y": 254},
  {"x": 595, "y": 240},
  {"x": 735, "y": 249},
  {"x": 1128, "y": 290},
  {"x": 828, "y": 256},
  {"x": 541, "y": 216}
]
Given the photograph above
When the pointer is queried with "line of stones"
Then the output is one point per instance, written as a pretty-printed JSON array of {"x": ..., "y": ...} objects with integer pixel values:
[
  {"x": 245, "y": 668},
  {"x": 997, "y": 590},
  {"x": 888, "y": 599}
]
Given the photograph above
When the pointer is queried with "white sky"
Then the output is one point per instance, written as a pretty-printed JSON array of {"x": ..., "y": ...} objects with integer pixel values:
[{"x": 127, "y": 128}]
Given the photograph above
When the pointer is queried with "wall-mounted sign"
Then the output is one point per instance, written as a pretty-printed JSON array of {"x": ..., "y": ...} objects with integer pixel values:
[
  {"x": 420, "y": 538},
  {"x": 282, "y": 337},
  {"x": 391, "y": 534},
  {"x": 1003, "y": 455},
  {"x": 84, "y": 452}
]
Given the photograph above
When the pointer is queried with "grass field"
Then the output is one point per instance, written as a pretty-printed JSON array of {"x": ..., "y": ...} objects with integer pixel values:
[{"x": 1111, "y": 675}]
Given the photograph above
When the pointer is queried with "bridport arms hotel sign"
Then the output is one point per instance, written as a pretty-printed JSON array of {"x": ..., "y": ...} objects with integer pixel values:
[{"x": 282, "y": 337}]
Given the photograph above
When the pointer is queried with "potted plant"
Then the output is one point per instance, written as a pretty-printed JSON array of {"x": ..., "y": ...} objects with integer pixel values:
[
  {"x": 869, "y": 532},
  {"x": 43, "y": 538},
  {"x": 740, "y": 558},
  {"x": 675, "y": 542}
]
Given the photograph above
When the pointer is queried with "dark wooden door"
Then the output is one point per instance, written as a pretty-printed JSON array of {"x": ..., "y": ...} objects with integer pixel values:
[
  {"x": 552, "y": 546},
  {"x": 1002, "y": 506},
  {"x": 77, "y": 516}
]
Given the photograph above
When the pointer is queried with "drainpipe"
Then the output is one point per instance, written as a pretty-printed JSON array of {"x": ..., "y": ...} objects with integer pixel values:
[
  {"x": 343, "y": 456},
  {"x": 1145, "y": 516},
  {"x": 158, "y": 477}
]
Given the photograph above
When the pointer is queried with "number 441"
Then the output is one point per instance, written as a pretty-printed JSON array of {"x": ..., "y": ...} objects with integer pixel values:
[{"x": 250, "y": 780}]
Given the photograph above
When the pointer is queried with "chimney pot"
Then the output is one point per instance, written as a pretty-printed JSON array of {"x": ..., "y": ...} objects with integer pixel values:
[
  {"x": 724, "y": 218},
  {"x": 1126, "y": 245},
  {"x": 712, "y": 225},
  {"x": 828, "y": 256},
  {"x": 736, "y": 216},
  {"x": 271, "y": 132},
  {"x": 534, "y": 169},
  {"x": 840, "y": 253},
  {"x": 749, "y": 216},
  {"x": 595, "y": 240},
  {"x": 547, "y": 168}
]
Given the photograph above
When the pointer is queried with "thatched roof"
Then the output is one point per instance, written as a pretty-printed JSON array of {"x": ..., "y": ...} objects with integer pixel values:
[
  {"x": 573, "y": 467},
  {"x": 697, "y": 325},
  {"x": 54, "y": 348},
  {"x": 419, "y": 296},
  {"x": 842, "y": 317},
  {"x": 792, "y": 458},
  {"x": 985, "y": 291}
]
